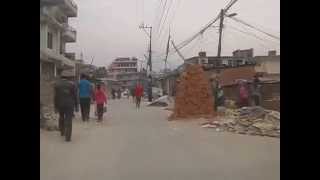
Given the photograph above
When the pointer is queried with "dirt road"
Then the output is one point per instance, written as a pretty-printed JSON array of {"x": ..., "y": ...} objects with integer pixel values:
[{"x": 142, "y": 145}]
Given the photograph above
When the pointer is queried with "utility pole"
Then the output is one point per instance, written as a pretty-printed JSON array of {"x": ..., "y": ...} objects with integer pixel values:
[
  {"x": 179, "y": 53},
  {"x": 149, "y": 61},
  {"x": 220, "y": 33},
  {"x": 167, "y": 52}
]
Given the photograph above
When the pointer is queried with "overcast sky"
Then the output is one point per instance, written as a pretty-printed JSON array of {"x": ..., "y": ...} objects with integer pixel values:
[{"x": 107, "y": 29}]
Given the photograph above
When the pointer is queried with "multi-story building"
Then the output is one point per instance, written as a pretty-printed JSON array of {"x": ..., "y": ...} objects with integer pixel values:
[
  {"x": 54, "y": 34},
  {"x": 124, "y": 65},
  {"x": 123, "y": 72},
  {"x": 217, "y": 62},
  {"x": 244, "y": 53}
]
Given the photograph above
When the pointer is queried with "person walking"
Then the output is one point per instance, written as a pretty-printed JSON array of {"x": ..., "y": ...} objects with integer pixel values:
[
  {"x": 215, "y": 91},
  {"x": 65, "y": 102},
  {"x": 101, "y": 101},
  {"x": 119, "y": 93},
  {"x": 132, "y": 92},
  {"x": 243, "y": 94},
  {"x": 256, "y": 90},
  {"x": 138, "y": 94},
  {"x": 85, "y": 94},
  {"x": 113, "y": 92}
]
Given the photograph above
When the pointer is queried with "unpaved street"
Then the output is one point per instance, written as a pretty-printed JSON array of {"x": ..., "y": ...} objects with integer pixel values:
[{"x": 142, "y": 145}]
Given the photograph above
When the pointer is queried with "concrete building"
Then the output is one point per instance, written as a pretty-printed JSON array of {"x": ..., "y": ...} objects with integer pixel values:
[
  {"x": 268, "y": 65},
  {"x": 123, "y": 73},
  {"x": 54, "y": 34},
  {"x": 223, "y": 61},
  {"x": 245, "y": 53},
  {"x": 124, "y": 65}
]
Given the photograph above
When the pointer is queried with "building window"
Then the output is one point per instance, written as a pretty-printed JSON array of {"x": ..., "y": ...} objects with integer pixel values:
[{"x": 50, "y": 43}]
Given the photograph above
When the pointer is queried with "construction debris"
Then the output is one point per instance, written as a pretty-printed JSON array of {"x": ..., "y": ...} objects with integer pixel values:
[
  {"x": 48, "y": 119},
  {"x": 194, "y": 96},
  {"x": 249, "y": 120},
  {"x": 161, "y": 102}
]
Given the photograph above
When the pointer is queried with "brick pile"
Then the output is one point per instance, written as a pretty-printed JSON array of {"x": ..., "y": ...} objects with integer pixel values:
[{"x": 194, "y": 96}]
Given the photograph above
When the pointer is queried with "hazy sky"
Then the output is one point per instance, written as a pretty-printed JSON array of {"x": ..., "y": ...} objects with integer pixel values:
[{"x": 107, "y": 29}]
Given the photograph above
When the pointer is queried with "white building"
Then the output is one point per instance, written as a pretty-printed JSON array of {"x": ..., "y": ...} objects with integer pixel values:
[
  {"x": 54, "y": 34},
  {"x": 269, "y": 65},
  {"x": 124, "y": 72}
]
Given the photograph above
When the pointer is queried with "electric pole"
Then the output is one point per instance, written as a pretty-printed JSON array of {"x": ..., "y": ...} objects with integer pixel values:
[
  {"x": 220, "y": 33},
  {"x": 149, "y": 61}
]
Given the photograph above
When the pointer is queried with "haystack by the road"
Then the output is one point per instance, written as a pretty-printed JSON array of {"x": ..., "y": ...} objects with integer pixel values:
[{"x": 193, "y": 95}]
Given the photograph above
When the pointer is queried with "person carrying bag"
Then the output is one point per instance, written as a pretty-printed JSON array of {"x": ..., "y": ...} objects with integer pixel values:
[{"x": 101, "y": 101}]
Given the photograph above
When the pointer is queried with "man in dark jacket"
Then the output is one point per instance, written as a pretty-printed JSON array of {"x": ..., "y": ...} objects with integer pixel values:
[
  {"x": 65, "y": 102},
  {"x": 256, "y": 90}
]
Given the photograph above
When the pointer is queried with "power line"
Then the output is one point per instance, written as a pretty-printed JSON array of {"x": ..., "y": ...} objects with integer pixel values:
[
  {"x": 164, "y": 8},
  {"x": 164, "y": 22},
  {"x": 243, "y": 34},
  {"x": 253, "y": 27},
  {"x": 186, "y": 42},
  {"x": 247, "y": 33},
  {"x": 174, "y": 10},
  {"x": 157, "y": 16},
  {"x": 177, "y": 51},
  {"x": 174, "y": 13}
]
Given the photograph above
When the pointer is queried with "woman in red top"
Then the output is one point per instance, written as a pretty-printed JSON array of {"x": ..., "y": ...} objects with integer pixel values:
[
  {"x": 243, "y": 94},
  {"x": 138, "y": 94},
  {"x": 101, "y": 99}
]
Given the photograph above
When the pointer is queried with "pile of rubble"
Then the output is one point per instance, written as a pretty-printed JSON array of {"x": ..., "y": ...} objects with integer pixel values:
[
  {"x": 194, "y": 95},
  {"x": 48, "y": 119},
  {"x": 248, "y": 120},
  {"x": 163, "y": 101}
]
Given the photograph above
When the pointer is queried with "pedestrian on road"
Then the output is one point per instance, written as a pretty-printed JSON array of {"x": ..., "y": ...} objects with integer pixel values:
[
  {"x": 119, "y": 93},
  {"x": 217, "y": 92},
  {"x": 128, "y": 93},
  {"x": 101, "y": 101},
  {"x": 243, "y": 94},
  {"x": 256, "y": 90},
  {"x": 65, "y": 102},
  {"x": 138, "y": 94},
  {"x": 113, "y": 92},
  {"x": 85, "y": 94},
  {"x": 132, "y": 92}
]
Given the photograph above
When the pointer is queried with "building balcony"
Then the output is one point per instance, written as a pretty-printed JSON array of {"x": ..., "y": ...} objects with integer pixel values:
[
  {"x": 69, "y": 34},
  {"x": 124, "y": 67},
  {"x": 47, "y": 18},
  {"x": 71, "y": 56},
  {"x": 69, "y": 6},
  {"x": 50, "y": 56}
]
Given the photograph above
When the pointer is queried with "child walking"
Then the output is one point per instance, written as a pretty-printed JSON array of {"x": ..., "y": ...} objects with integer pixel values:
[{"x": 101, "y": 100}]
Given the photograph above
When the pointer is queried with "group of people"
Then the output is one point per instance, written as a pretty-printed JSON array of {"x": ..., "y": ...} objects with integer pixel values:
[
  {"x": 246, "y": 95},
  {"x": 249, "y": 95},
  {"x": 136, "y": 92},
  {"x": 116, "y": 93},
  {"x": 68, "y": 94}
]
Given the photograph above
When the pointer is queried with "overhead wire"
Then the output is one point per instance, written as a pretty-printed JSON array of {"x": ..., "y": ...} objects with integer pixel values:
[
  {"x": 204, "y": 28},
  {"x": 174, "y": 10},
  {"x": 164, "y": 22},
  {"x": 163, "y": 11},
  {"x": 249, "y": 34},
  {"x": 253, "y": 27},
  {"x": 158, "y": 11},
  {"x": 244, "y": 35}
]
